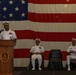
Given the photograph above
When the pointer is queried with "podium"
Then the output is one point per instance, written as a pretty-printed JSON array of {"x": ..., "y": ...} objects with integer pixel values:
[{"x": 6, "y": 57}]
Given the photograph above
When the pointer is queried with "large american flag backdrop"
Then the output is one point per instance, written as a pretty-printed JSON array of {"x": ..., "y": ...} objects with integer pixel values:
[{"x": 53, "y": 21}]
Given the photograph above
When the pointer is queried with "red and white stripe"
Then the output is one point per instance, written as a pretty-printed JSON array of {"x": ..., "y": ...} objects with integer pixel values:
[{"x": 53, "y": 21}]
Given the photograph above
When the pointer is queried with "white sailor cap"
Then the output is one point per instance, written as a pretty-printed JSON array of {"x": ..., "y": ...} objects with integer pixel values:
[
  {"x": 37, "y": 40},
  {"x": 5, "y": 22}
]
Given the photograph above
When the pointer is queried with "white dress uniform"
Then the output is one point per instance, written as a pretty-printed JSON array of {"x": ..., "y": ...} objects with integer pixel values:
[
  {"x": 8, "y": 35},
  {"x": 37, "y": 56},
  {"x": 72, "y": 50}
]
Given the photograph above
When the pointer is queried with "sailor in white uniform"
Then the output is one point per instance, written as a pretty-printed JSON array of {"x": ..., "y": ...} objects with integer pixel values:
[
  {"x": 71, "y": 52},
  {"x": 36, "y": 51},
  {"x": 8, "y": 34}
]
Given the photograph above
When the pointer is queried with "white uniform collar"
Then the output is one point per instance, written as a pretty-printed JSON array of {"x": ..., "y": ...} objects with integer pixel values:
[
  {"x": 37, "y": 45},
  {"x": 8, "y": 30},
  {"x": 73, "y": 46}
]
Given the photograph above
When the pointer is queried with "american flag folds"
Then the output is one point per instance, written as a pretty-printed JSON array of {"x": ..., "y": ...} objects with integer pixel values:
[{"x": 53, "y": 21}]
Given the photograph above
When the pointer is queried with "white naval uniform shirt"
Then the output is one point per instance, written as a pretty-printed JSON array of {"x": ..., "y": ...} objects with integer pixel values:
[
  {"x": 37, "y": 49},
  {"x": 72, "y": 49},
  {"x": 8, "y": 35}
]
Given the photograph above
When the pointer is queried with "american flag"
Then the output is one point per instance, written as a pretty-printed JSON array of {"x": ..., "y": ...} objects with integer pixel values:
[
  {"x": 53, "y": 21},
  {"x": 13, "y": 10}
]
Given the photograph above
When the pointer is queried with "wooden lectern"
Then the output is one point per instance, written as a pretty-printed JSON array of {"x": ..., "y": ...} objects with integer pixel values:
[{"x": 6, "y": 57}]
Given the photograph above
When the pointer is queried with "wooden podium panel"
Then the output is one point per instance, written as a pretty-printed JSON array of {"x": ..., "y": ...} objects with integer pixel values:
[{"x": 6, "y": 57}]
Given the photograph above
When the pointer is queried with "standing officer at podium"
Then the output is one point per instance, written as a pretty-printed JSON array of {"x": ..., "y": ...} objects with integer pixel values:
[{"x": 8, "y": 34}]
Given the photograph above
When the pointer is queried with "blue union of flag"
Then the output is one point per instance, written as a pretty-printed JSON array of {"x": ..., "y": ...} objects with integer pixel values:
[{"x": 13, "y": 9}]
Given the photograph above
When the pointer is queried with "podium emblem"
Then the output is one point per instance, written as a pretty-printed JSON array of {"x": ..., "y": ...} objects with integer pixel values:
[{"x": 4, "y": 57}]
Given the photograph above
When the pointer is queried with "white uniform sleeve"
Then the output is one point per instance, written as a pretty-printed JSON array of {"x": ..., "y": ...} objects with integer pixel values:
[
  {"x": 42, "y": 49},
  {"x": 14, "y": 35},
  {"x": 68, "y": 50},
  {"x": 31, "y": 49}
]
